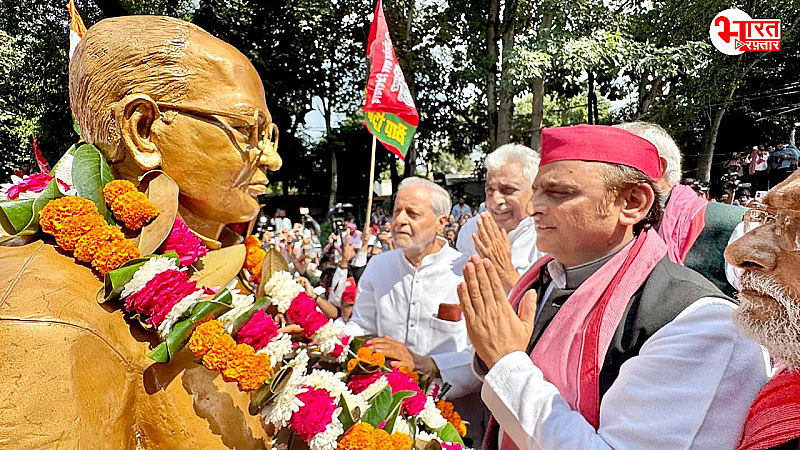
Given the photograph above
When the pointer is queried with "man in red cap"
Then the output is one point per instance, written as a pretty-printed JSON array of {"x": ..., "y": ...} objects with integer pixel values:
[{"x": 614, "y": 346}]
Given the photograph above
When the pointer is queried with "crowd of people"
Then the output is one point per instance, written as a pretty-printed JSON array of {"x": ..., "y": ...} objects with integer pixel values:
[{"x": 763, "y": 167}]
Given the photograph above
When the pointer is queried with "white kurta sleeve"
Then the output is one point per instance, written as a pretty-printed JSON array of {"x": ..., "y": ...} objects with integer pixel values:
[
  {"x": 464, "y": 242},
  {"x": 364, "y": 319},
  {"x": 689, "y": 388},
  {"x": 455, "y": 369}
]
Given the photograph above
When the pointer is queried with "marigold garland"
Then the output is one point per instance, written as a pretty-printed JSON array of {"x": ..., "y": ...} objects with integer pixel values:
[
  {"x": 249, "y": 371},
  {"x": 368, "y": 357},
  {"x": 113, "y": 190},
  {"x": 55, "y": 212},
  {"x": 254, "y": 261},
  {"x": 363, "y": 436},
  {"x": 77, "y": 226},
  {"x": 114, "y": 254},
  {"x": 221, "y": 352},
  {"x": 452, "y": 416},
  {"x": 90, "y": 243},
  {"x": 204, "y": 337},
  {"x": 73, "y": 228},
  {"x": 134, "y": 209}
]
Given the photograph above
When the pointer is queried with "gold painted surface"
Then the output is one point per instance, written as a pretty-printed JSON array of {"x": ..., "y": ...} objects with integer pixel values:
[{"x": 75, "y": 375}]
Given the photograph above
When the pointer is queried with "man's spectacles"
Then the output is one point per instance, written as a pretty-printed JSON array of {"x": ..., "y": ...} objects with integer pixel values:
[
  {"x": 258, "y": 128},
  {"x": 786, "y": 221}
]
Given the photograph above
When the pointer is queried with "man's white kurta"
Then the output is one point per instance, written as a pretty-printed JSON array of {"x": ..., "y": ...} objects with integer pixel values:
[
  {"x": 523, "y": 242},
  {"x": 689, "y": 388},
  {"x": 398, "y": 301}
]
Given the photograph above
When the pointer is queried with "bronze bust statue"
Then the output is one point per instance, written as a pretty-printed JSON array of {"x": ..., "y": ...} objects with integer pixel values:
[{"x": 152, "y": 93}]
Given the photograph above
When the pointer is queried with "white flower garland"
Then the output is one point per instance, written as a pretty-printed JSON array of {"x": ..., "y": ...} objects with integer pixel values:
[
  {"x": 240, "y": 304},
  {"x": 278, "y": 347},
  {"x": 286, "y": 402},
  {"x": 328, "y": 439},
  {"x": 331, "y": 382},
  {"x": 179, "y": 310},
  {"x": 373, "y": 389},
  {"x": 282, "y": 288},
  {"x": 147, "y": 272},
  {"x": 328, "y": 336},
  {"x": 431, "y": 416}
]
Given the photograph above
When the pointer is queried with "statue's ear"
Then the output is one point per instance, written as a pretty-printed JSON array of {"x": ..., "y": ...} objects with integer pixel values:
[{"x": 135, "y": 115}]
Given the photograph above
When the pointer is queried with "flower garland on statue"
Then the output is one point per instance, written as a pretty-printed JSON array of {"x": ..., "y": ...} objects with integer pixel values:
[
  {"x": 313, "y": 400},
  {"x": 232, "y": 333}
]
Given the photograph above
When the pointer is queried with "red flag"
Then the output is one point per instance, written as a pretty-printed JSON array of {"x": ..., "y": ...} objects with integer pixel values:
[{"x": 389, "y": 108}]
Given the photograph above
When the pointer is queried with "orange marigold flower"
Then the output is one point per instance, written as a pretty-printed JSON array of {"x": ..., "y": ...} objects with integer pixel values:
[
  {"x": 114, "y": 254},
  {"x": 52, "y": 216},
  {"x": 449, "y": 412},
  {"x": 414, "y": 375},
  {"x": 252, "y": 241},
  {"x": 360, "y": 436},
  {"x": 204, "y": 337},
  {"x": 73, "y": 228},
  {"x": 254, "y": 260},
  {"x": 367, "y": 356},
  {"x": 92, "y": 241},
  {"x": 221, "y": 352},
  {"x": 398, "y": 441},
  {"x": 134, "y": 209},
  {"x": 249, "y": 371},
  {"x": 113, "y": 190},
  {"x": 352, "y": 364},
  {"x": 240, "y": 352}
]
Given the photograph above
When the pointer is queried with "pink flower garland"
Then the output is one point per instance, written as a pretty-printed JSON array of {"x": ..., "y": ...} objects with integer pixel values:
[
  {"x": 339, "y": 348},
  {"x": 183, "y": 242},
  {"x": 303, "y": 311},
  {"x": 258, "y": 331},
  {"x": 359, "y": 383},
  {"x": 402, "y": 382},
  {"x": 32, "y": 183},
  {"x": 159, "y": 295},
  {"x": 315, "y": 414}
]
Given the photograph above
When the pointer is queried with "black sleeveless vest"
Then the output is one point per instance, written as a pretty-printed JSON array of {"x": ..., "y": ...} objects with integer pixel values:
[{"x": 668, "y": 290}]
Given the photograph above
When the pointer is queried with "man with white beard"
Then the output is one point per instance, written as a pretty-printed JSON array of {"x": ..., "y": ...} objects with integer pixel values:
[
  {"x": 505, "y": 233},
  {"x": 769, "y": 312}
]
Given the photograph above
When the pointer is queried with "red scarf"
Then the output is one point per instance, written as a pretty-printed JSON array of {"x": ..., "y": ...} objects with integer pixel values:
[
  {"x": 572, "y": 348},
  {"x": 774, "y": 417},
  {"x": 684, "y": 219}
]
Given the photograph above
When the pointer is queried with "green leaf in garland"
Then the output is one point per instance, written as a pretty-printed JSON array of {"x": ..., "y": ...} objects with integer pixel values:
[
  {"x": 379, "y": 408},
  {"x": 448, "y": 433},
  {"x": 239, "y": 322},
  {"x": 90, "y": 173},
  {"x": 345, "y": 417},
  {"x": 394, "y": 408},
  {"x": 76, "y": 127},
  {"x": 21, "y": 217},
  {"x": 115, "y": 281},
  {"x": 182, "y": 331}
]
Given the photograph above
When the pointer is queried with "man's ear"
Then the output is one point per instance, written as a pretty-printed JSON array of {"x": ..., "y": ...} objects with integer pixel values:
[
  {"x": 664, "y": 164},
  {"x": 441, "y": 221},
  {"x": 135, "y": 115},
  {"x": 638, "y": 201}
]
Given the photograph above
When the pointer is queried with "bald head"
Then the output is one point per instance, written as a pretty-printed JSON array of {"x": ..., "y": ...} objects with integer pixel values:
[{"x": 162, "y": 57}]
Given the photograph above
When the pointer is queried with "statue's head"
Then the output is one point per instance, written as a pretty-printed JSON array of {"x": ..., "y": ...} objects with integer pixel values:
[{"x": 159, "y": 93}]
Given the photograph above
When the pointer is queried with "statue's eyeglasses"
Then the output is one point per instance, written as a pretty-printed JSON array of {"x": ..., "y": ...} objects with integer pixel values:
[
  {"x": 257, "y": 128},
  {"x": 786, "y": 224}
]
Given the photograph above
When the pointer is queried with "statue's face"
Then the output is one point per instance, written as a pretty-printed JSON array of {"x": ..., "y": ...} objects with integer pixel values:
[{"x": 216, "y": 142}]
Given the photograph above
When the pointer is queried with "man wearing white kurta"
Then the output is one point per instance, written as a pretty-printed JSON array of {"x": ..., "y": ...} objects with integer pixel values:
[
  {"x": 614, "y": 346},
  {"x": 510, "y": 171},
  {"x": 400, "y": 291}
]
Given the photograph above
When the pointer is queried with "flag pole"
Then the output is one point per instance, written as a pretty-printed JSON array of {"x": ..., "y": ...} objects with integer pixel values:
[{"x": 371, "y": 183}]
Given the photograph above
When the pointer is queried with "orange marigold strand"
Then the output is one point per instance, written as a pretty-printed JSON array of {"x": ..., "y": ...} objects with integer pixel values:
[
  {"x": 204, "y": 337},
  {"x": 89, "y": 244},
  {"x": 134, "y": 209},
  {"x": 113, "y": 190},
  {"x": 114, "y": 254}
]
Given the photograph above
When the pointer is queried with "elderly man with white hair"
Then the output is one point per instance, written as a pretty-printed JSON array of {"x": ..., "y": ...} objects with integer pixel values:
[
  {"x": 505, "y": 233},
  {"x": 696, "y": 231},
  {"x": 400, "y": 292}
]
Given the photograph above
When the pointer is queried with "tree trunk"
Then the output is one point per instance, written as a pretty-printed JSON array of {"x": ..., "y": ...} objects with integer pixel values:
[
  {"x": 707, "y": 154},
  {"x": 393, "y": 173},
  {"x": 491, "y": 78},
  {"x": 537, "y": 99},
  {"x": 505, "y": 112},
  {"x": 591, "y": 120},
  {"x": 334, "y": 179},
  {"x": 648, "y": 96},
  {"x": 411, "y": 156}
]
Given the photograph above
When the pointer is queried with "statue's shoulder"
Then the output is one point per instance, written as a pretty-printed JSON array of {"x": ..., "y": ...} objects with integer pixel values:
[{"x": 40, "y": 283}]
